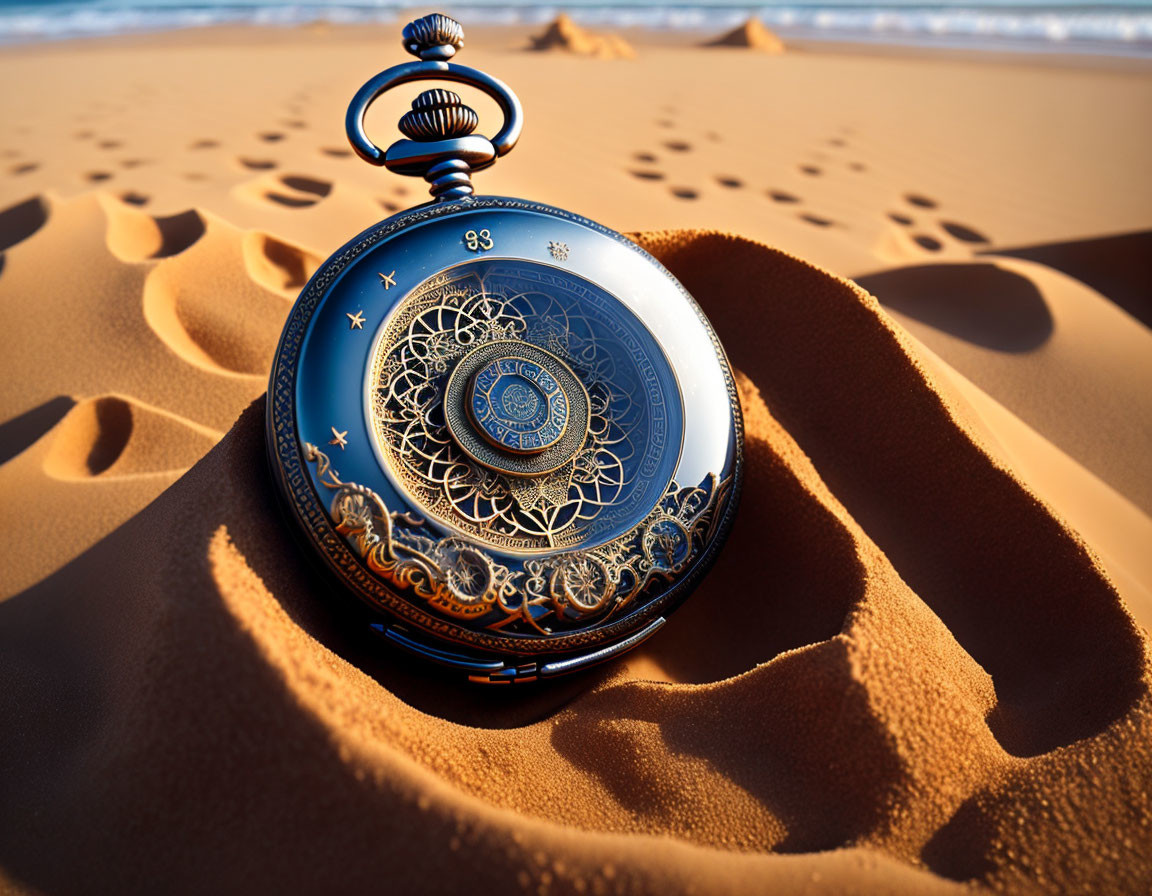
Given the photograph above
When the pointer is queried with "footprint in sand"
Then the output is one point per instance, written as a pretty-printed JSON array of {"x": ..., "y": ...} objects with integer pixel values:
[
  {"x": 684, "y": 192},
  {"x": 238, "y": 336},
  {"x": 97, "y": 177},
  {"x": 811, "y": 170},
  {"x": 271, "y": 136},
  {"x": 25, "y": 168},
  {"x": 109, "y": 144},
  {"x": 312, "y": 185},
  {"x": 137, "y": 236},
  {"x": 288, "y": 190},
  {"x": 112, "y": 435},
  {"x": 336, "y": 152},
  {"x": 257, "y": 164},
  {"x": 20, "y": 221},
  {"x": 134, "y": 198},
  {"x": 782, "y": 196},
  {"x": 678, "y": 145},
  {"x": 647, "y": 175},
  {"x": 961, "y": 233},
  {"x": 277, "y": 265},
  {"x": 133, "y": 163},
  {"x": 817, "y": 220},
  {"x": 205, "y": 144},
  {"x": 295, "y": 123},
  {"x": 646, "y": 157},
  {"x": 308, "y": 191},
  {"x": 90, "y": 438},
  {"x": 920, "y": 201},
  {"x": 732, "y": 183}
]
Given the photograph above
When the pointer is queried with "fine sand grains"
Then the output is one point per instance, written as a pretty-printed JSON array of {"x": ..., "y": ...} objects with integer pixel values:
[{"x": 907, "y": 673}]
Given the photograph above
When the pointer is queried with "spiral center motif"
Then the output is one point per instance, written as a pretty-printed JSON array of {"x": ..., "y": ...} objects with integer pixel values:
[
  {"x": 519, "y": 402},
  {"x": 517, "y": 405},
  {"x": 516, "y": 408},
  {"x": 524, "y": 407}
]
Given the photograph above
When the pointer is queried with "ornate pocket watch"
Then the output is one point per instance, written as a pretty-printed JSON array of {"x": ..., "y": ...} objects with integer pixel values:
[{"x": 505, "y": 427}]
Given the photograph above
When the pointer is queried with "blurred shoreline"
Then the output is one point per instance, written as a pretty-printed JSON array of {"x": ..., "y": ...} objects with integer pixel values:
[
  {"x": 1123, "y": 29},
  {"x": 518, "y": 38}
]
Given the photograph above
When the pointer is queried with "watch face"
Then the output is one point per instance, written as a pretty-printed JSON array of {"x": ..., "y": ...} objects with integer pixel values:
[{"x": 509, "y": 429}]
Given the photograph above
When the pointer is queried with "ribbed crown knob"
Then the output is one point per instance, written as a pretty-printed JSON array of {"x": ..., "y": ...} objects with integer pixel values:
[
  {"x": 438, "y": 115},
  {"x": 434, "y": 36}
]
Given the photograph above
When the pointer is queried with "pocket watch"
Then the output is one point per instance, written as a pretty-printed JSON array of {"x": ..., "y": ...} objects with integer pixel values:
[{"x": 506, "y": 428}]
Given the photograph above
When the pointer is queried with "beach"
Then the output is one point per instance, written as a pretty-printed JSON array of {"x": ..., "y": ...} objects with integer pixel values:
[{"x": 922, "y": 662}]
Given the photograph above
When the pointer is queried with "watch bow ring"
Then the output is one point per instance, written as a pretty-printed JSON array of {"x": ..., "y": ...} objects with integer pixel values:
[{"x": 505, "y": 428}]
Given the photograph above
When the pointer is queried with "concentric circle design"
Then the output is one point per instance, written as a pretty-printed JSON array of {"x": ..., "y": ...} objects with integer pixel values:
[
  {"x": 516, "y": 408},
  {"x": 518, "y": 405},
  {"x": 470, "y": 467}
]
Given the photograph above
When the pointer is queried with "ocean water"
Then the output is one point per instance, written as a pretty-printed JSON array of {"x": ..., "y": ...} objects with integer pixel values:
[{"x": 1113, "y": 28}]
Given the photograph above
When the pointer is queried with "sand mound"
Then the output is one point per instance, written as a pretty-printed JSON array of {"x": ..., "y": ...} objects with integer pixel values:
[
  {"x": 925, "y": 678},
  {"x": 752, "y": 35},
  {"x": 905, "y": 674},
  {"x": 277, "y": 265},
  {"x": 564, "y": 34}
]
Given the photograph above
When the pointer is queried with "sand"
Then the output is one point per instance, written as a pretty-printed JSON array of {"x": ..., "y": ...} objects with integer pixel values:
[{"x": 921, "y": 664}]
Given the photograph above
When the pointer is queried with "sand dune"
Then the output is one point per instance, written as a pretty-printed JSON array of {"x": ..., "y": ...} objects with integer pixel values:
[
  {"x": 565, "y": 35},
  {"x": 915, "y": 667},
  {"x": 752, "y": 35}
]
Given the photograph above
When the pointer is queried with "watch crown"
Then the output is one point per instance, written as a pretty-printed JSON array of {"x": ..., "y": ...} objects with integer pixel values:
[{"x": 433, "y": 37}]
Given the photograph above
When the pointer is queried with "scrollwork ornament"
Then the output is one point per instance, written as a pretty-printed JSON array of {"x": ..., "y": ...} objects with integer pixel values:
[{"x": 463, "y": 580}]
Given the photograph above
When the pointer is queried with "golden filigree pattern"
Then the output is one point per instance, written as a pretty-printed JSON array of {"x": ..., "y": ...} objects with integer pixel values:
[
  {"x": 548, "y": 594},
  {"x": 594, "y": 492}
]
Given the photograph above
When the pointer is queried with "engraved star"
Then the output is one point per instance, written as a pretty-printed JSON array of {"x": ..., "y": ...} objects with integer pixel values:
[
  {"x": 388, "y": 280},
  {"x": 356, "y": 321},
  {"x": 339, "y": 438}
]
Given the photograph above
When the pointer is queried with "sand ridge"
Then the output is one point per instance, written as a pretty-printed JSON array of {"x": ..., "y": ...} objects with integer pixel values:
[
  {"x": 908, "y": 672},
  {"x": 906, "y": 723}
]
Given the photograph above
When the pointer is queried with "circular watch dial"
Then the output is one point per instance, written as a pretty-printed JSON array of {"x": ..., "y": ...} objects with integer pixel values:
[{"x": 524, "y": 405}]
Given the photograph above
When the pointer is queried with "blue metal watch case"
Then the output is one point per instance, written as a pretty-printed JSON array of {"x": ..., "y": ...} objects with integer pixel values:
[{"x": 509, "y": 429}]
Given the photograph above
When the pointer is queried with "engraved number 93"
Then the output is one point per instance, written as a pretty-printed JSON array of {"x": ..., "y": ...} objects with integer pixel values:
[{"x": 478, "y": 241}]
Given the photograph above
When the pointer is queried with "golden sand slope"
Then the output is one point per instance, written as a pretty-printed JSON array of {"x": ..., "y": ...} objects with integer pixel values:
[
  {"x": 871, "y": 665},
  {"x": 565, "y": 35},
  {"x": 905, "y": 674},
  {"x": 752, "y": 35}
]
